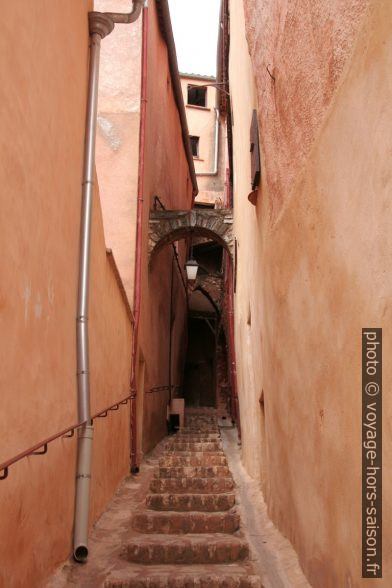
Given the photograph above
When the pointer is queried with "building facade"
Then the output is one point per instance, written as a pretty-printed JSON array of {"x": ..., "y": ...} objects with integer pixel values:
[
  {"x": 132, "y": 324},
  {"x": 312, "y": 267},
  {"x": 207, "y": 135}
]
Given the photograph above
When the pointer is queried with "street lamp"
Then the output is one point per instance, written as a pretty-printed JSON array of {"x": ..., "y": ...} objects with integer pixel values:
[{"x": 191, "y": 267}]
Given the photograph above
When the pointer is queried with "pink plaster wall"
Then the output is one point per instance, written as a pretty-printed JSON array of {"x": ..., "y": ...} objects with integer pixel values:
[
  {"x": 117, "y": 150},
  {"x": 320, "y": 272},
  {"x": 41, "y": 152},
  {"x": 202, "y": 124}
]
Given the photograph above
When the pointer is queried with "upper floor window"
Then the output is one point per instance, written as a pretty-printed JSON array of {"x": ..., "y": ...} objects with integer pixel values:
[
  {"x": 194, "y": 145},
  {"x": 197, "y": 95}
]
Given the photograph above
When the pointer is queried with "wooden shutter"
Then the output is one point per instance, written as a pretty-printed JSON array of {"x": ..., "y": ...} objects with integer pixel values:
[{"x": 254, "y": 152}]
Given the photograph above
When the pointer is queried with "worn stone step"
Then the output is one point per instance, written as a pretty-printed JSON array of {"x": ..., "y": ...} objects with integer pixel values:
[
  {"x": 192, "y": 420},
  {"x": 197, "y": 426},
  {"x": 185, "y": 522},
  {"x": 188, "y": 502},
  {"x": 196, "y": 432},
  {"x": 197, "y": 447},
  {"x": 193, "y": 460},
  {"x": 199, "y": 485},
  {"x": 190, "y": 453},
  {"x": 207, "y": 438},
  {"x": 189, "y": 580},
  {"x": 196, "y": 549},
  {"x": 192, "y": 472}
]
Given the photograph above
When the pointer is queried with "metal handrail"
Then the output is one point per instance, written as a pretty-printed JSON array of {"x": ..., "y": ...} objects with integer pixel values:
[
  {"x": 42, "y": 447},
  {"x": 163, "y": 388}
]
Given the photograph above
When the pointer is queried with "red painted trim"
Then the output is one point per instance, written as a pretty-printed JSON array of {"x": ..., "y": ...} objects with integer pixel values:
[
  {"x": 232, "y": 354},
  {"x": 139, "y": 237},
  {"x": 69, "y": 432}
]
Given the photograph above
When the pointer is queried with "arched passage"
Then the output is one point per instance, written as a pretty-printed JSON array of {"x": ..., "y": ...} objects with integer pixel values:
[
  {"x": 210, "y": 363},
  {"x": 168, "y": 226}
]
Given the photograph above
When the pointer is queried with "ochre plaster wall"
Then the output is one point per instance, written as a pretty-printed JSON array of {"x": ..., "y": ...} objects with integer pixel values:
[
  {"x": 166, "y": 175},
  {"x": 304, "y": 47},
  {"x": 42, "y": 122},
  {"x": 317, "y": 248}
]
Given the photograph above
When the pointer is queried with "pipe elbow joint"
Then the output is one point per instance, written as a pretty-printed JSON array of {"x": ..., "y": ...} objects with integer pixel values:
[{"x": 129, "y": 17}]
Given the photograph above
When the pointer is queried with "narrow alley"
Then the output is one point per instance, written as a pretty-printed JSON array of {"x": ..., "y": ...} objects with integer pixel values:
[
  {"x": 179, "y": 525},
  {"x": 195, "y": 294}
]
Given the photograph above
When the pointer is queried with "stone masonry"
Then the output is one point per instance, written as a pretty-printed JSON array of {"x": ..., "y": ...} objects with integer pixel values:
[
  {"x": 167, "y": 226},
  {"x": 188, "y": 535}
]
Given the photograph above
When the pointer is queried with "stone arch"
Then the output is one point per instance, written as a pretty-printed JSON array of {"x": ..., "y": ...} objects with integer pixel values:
[{"x": 167, "y": 226}]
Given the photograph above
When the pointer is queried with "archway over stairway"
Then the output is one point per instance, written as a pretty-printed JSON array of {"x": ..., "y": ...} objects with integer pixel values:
[{"x": 168, "y": 226}]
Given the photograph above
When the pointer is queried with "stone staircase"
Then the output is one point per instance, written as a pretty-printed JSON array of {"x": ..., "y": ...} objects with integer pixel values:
[{"x": 189, "y": 534}]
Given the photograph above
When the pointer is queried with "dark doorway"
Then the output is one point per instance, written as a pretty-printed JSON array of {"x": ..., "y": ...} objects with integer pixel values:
[{"x": 199, "y": 377}]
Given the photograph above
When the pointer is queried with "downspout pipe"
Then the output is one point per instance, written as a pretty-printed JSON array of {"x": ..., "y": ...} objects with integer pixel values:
[
  {"x": 214, "y": 171},
  {"x": 100, "y": 25}
]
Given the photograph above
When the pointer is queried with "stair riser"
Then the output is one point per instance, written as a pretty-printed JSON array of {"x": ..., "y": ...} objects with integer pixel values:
[
  {"x": 188, "y": 581},
  {"x": 191, "y": 502},
  {"x": 193, "y": 472},
  {"x": 192, "y": 453},
  {"x": 198, "y": 447},
  {"x": 187, "y": 553},
  {"x": 202, "y": 485},
  {"x": 194, "y": 460},
  {"x": 211, "y": 438},
  {"x": 186, "y": 523}
]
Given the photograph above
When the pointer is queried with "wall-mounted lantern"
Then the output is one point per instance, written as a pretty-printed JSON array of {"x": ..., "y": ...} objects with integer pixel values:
[{"x": 191, "y": 267}]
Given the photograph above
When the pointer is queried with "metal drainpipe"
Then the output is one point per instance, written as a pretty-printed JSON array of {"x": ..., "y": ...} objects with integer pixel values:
[
  {"x": 214, "y": 172},
  {"x": 171, "y": 328},
  {"x": 100, "y": 25}
]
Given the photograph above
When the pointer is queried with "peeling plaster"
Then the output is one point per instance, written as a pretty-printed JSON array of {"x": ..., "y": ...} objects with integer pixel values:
[{"x": 109, "y": 132}]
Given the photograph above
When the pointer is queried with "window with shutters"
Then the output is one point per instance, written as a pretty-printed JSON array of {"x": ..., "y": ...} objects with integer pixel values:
[{"x": 254, "y": 152}]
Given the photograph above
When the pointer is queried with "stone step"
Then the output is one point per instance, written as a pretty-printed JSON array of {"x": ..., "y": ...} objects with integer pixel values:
[
  {"x": 199, "y": 485},
  {"x": 196, "y": 549},
  {"x": 190, "y": 453},
  {"x": 186, "y": 580},
  {"x": 200, "y": 420},
  {"x": 193, "y": 431},
  {"x": 188, "y": 502},
  {"x": 197, "y": 447},
  {"x": 193, "y": 460},
  {"x": 208, "y": 438},
  {"x": 185, "y": 522},
  {"x": 193, "y": 472}
]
